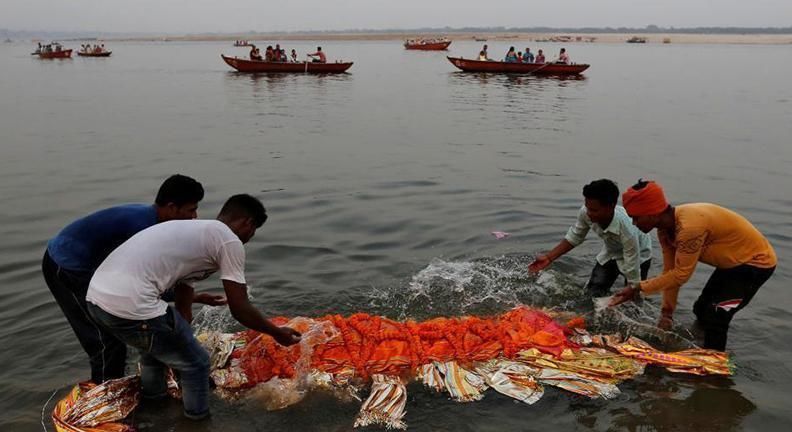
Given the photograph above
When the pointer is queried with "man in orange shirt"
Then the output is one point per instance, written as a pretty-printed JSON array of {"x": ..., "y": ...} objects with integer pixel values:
[
  {"x": 743, "y": 258},
  {"x": 319, "y": 56}
]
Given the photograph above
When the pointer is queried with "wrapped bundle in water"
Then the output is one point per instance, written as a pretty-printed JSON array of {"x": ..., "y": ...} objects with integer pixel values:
[
  {"x": 515, "y": 353},
  {"x": 97, "y": 408}
]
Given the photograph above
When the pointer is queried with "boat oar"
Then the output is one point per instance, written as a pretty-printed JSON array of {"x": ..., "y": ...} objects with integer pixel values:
[{"x": 538, "y": 69}]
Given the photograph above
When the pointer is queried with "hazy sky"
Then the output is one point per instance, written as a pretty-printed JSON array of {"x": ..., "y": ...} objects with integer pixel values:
[{"x": 184, "y": 16}]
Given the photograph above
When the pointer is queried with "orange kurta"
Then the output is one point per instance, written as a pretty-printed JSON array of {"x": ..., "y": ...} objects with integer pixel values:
[{"x": 710, "y": 234}]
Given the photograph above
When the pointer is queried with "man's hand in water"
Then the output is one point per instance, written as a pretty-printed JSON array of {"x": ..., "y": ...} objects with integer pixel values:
[
  {"x": 287, "y": 336},
  {"x": 666, "y": 322},
  {"x": 209, "y": 299},
  {"x": 540, "y": 263},
  {"x": 628, "y": 293}
]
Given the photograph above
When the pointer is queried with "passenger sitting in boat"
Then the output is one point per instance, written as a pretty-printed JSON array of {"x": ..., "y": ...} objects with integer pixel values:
[
  {"x": 563, "y": 57},
  {"x": 254, "y": 53},
  {"x": 528, "y": 57},
  {"x": 268, "y": 54},
  {"x": 511, "y": 56},
  {"x": 294, "y": 55},
  {"x": 483, "y": 56},
  {"x": 519, "y": 57},
  {"x": 540, "y": 58},
  {"x": 283, "y": 56},
  {"x": 321, "y": 56},
  {"x": 276, "y": 54}
]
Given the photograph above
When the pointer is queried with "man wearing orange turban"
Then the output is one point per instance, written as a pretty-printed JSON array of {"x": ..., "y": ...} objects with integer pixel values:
[{"x": 689, "y": 233}]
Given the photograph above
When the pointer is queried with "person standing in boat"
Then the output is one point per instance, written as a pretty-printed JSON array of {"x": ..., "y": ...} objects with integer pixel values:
[
  {"x": 540, "y": 58},
  {"x": 74, "y": 254},
  {"x": 124, "y": 296},
  {"x": 701, "y": 232},
  {"x": 626, "y": 250},
  {"x": 276, "y": 57},
  {"x": 528, "y": 57},
  {"x": 318, "y": 56},
  {"x": 563, "y": 57}
]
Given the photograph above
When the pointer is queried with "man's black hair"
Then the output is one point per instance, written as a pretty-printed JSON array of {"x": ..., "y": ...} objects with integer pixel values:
[
  {"x": 180, "y": 190},
  {"x": 603, "y": 190},
  {"x": 640, "y": 184},
  {"x": 244, "y": 206}
]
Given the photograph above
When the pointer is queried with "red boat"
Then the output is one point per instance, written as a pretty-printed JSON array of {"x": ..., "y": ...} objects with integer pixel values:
[
  {"x": 94, "y": 54},
  {"x": 527, "y": 68},
  {"x": 253, "y": 66},
  {"x": 55, "y": 54},
  {"x": 427, "y": 46}
]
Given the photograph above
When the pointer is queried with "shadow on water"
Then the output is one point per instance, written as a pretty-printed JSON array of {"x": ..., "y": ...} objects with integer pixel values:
[
  {"x": 519, "y": 79},
  {"x": 668, "y": 402}
]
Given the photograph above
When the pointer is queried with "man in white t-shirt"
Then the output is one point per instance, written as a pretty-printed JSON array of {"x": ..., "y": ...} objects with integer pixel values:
[{"x": 124, "y": 295}]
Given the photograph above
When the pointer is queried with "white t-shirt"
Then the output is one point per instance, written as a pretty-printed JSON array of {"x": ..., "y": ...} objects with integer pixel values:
[{"x": 129, "y": 283}]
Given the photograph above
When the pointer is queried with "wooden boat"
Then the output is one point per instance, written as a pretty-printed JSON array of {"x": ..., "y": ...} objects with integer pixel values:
[
  {"x": 254, "y": 66},
  {"x": 242, "y": 43},
  {"x": 94, "y": 54},
  {"x": 55, "y": 54},
  {"x": 636, "y": 39},
  {"x": 527, "y": 68},
  {"x": 427, "y": 46}
]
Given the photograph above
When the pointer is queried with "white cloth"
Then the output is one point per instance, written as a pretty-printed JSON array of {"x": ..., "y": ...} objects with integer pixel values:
[{"x": 129, "y": 283}]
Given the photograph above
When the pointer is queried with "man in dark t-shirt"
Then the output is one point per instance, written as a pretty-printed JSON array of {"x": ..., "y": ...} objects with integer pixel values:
[{"x": 75, "y": 253}]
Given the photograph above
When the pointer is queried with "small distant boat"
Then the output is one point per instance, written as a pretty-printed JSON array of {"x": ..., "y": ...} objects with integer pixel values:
[
  {"x": 423, "y": 45},
  {"x": 242, "y": 43},
  {"x": 94, "y": 54},
  {"x": 53, "y": 51},
  {"x": 466, "y": 65},
  {"x": 636, "y": 39},
  {"x": 257, "y": 66},
  {"x": 480, "y": 39},
  {"x": 8, "y": 41}
]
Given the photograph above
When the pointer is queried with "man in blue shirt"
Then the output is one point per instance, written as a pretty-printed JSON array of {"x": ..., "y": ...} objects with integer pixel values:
[
  {"x": 626, "y": 250},
  {"x": 77, "y": 251}
]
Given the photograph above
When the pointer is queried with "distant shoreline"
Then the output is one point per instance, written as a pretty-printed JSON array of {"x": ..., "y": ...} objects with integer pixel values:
[{"x": 501, "y": 37}]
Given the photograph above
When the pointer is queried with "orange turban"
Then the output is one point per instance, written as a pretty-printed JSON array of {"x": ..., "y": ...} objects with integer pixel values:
[{"x": 645, "y": 201}]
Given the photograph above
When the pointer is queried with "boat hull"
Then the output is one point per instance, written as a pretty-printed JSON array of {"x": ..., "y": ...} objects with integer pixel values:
[
  {"x": 253, "y": 66},
  {"x": 101, "y": 54},
  {"x": 466, "y": 65},
  {"x": 56, "y": 54},
  {"x": 439, "y": 46}
]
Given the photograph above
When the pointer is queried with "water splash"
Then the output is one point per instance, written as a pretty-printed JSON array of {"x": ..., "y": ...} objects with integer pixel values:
[
  {"x": 482, "y": 286},
  {"x": 491, "y": 285},
  {"x": 279, "y": 393}
]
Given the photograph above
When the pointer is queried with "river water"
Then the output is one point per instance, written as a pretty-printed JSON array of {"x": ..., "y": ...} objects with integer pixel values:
[{"x": 383, "y": 186}]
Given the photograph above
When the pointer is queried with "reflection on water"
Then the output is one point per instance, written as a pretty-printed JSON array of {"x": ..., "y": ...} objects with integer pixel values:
[{"x": 704, "y": 405}]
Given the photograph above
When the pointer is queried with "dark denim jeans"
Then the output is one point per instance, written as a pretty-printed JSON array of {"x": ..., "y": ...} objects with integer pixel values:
[
  {"x": 164, "y": 342},
  {"x": 727, "y": 292},
  {"x": 603, "y": 276},
  {"x": 106, "y": 354}
]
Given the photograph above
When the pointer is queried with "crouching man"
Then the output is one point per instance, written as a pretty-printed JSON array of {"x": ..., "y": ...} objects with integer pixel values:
[{"x": 124, "y": 295}]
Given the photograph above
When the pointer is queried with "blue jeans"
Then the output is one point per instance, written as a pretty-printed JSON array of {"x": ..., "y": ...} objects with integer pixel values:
[{"x": 164, "y": 342}]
